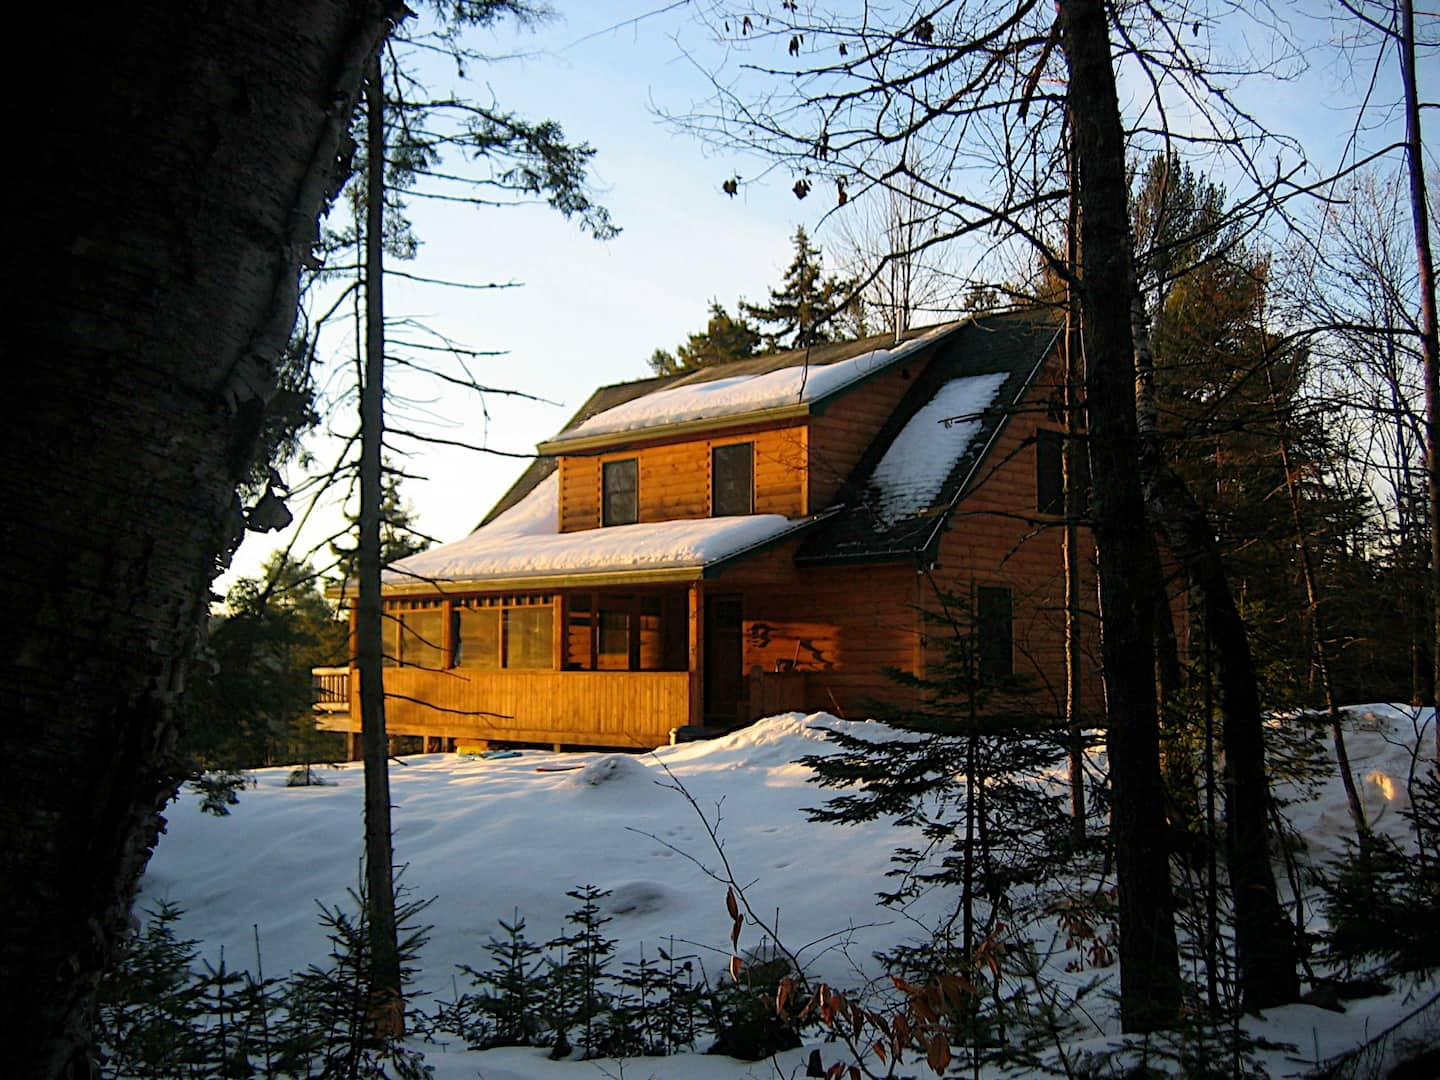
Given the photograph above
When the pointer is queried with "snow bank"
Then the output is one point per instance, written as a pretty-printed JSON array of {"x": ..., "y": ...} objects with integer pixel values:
[{"x": 486, "y": 837}]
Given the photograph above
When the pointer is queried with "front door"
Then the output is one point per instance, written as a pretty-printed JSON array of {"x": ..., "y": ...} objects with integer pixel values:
[{"x": 724, "y": 659}]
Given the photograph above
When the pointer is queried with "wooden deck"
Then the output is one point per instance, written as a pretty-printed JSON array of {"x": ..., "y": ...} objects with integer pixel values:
[{"x": 586, "y": 708}]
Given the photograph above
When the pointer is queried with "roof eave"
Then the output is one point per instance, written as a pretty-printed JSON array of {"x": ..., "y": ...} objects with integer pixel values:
[
  {"x": 713, "y": 569},
  {"x": 545, "y": 582},
  {"x": 581, "y": 444}
]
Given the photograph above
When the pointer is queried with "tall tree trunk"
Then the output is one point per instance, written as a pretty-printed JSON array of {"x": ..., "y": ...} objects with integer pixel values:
[
  {"x": 387, "y": 1006},
  {"x": 1429, "y": 332},
  {"x": 1264, "y": 942},
  {"x": 1070, "y": 548},
  {"x": 175, "y": 167},
  {"x": 1149, "y": 959},
  {"x": 1318, "y": 629}
]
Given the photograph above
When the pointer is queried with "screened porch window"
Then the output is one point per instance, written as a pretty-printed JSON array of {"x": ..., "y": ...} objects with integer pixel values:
[
  {"x": 505, "y": 632},
  {"x": 625, "y": 632},
  {"x": 414, "y": 637}
]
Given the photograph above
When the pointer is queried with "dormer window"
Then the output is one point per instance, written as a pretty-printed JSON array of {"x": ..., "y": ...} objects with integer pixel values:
[
  {"x": 620, "y": 488},
  {"x": 732, "y": 479}
]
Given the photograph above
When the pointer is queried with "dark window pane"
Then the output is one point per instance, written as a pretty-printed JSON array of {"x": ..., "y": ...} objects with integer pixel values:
[
  {"x": 529, "y": 637},
  {"x": 732, "y": 479},
  {"x": 620, "y": 481},
  {"x": 1049, "y": 487},
  {"x": 994, "y": 632},
  {"x": 479, "y": 638}
]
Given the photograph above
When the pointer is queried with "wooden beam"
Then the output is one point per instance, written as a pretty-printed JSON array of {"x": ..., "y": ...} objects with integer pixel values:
[{"x": 697, "y": 655}]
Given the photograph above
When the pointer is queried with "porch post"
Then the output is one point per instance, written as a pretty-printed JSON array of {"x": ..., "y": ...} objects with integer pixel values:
[{"x": 697, "y": 655}]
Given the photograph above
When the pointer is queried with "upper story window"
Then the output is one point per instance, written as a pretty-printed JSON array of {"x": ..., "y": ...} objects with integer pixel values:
[
  {"x": 732, "y": 479},
  {"x": 620, "y": 492},
  {"x": 1049, "y": 483},
  {"x": 1049, "y": 473}
]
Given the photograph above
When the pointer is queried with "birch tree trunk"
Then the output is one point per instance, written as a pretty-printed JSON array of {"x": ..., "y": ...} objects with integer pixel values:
[{"x": 175, "y": 165}]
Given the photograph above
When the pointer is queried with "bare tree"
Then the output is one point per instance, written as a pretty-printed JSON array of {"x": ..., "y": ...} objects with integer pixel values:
[{"x": 993, "y": 98}]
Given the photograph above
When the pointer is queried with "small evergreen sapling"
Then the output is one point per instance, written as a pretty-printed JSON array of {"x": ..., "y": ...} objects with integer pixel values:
[{"x": 579, "y": 981}]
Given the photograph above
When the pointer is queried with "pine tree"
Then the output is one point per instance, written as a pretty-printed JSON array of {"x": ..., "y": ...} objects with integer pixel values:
[
  {"x": 807, "y": 307},
  {"x": 250, "y": 702},
  {"x": 724, "y": 339}
]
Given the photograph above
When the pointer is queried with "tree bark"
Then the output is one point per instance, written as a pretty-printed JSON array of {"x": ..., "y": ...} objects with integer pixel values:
[
  {"x": 175, "y": 167},
  {"x": 1149, "y": 959},
  {"x": 1429, "y": 331},
  {"x": 1264, "y": 943},
  {"x": 387, "y": 1006}
]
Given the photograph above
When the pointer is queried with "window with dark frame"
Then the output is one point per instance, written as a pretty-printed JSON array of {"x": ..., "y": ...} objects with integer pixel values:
[
  {"x": 1049, "y": 472},
  {"x": 620, "y": 492},
  {"x": 1049, "y": 478},
  {"x": 994, "y": 633},
  {"x": 732, "y": 479}
]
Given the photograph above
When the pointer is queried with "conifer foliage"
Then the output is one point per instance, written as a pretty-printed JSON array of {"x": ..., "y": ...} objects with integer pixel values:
[
  {"x": 808, "y": 306},
  {"x": 725, "y": 338},
  {"x": 968, "y": 773}
]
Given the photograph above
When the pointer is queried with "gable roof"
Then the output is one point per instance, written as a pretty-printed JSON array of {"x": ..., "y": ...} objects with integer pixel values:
[
  {"x": 795, "y": 385},
  {"x": 919, "y": 466},
  {"x": 896, "y": 502},
  {"x": 741, "y": 392}
]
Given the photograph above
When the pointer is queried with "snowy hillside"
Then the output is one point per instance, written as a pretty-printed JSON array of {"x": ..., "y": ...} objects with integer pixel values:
[{"x": 488, "y": 837}]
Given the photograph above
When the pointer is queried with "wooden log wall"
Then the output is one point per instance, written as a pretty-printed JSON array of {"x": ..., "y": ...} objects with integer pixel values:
[
  {"x": 842, "y": 627},
  {"x": 998, "y": 537},
  {"x": 675, "y": 477}
]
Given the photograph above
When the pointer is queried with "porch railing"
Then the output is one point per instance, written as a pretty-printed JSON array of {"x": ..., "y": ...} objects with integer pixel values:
[
  {"x": 597, "y": 708},
  {"x": 332, "y": 688}
]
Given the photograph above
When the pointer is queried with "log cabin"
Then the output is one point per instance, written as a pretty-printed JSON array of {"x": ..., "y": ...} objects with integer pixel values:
[{"x": 696, "y": 551}]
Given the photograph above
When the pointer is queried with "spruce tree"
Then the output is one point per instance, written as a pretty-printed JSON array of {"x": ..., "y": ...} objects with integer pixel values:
[
  {"x": 724, "y": 339},
  {"x": 967, "y": 766},
  {"x": 805, "y": 309}
]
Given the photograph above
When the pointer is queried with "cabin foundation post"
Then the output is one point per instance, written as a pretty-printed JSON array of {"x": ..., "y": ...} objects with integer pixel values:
[
  {"x": 696, "y": 716},
  {"x": 353, "y": 750}
]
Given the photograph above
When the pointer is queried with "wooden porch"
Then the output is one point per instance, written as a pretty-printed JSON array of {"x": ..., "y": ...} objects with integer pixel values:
[
  {"x": 620, "y": 668},
  {"x": 586, "y": 708}
]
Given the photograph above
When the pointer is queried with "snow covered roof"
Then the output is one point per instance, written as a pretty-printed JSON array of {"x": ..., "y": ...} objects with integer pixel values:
[
  {"x": 909, "y": 476},
  {"x": 918, "y": 467},
  {"x": 745, "y": 388},
  {"x": 523, "y": 544}
]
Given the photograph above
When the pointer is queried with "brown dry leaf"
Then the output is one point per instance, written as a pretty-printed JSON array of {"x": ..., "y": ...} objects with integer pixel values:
[{"x": 937, "y": 1055}]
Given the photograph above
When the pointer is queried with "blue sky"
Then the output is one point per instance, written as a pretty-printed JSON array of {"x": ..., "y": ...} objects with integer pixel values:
[{"x": 589, "y": 313}]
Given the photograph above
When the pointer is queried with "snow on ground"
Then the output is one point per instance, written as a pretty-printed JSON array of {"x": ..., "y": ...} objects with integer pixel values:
[
  {"x": 493, "y": 552},
  {"x": 912, "y": 471},
  {"x": 488, "y": 837},
  {"x": 705, "y": 399}
]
